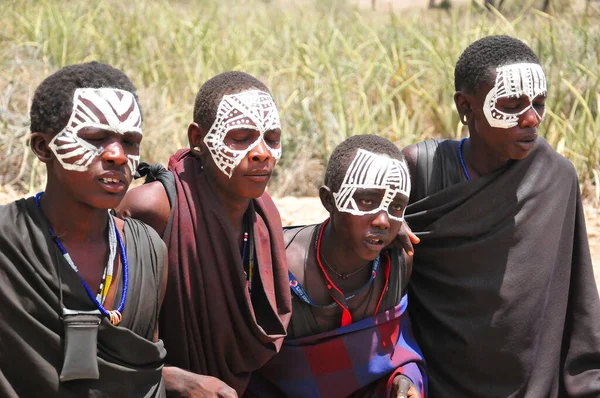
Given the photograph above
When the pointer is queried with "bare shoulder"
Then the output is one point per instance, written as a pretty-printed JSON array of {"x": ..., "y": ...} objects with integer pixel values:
[
  {"x": 298, "y": 241},
  {"x": 148, "y": 203}
]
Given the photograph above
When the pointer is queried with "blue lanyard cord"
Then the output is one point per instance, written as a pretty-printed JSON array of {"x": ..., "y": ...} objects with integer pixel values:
[
  {"x": 301, "y": 293},
  {"x": 115, "y": 318},
  {"x": 462, "y": 161}
]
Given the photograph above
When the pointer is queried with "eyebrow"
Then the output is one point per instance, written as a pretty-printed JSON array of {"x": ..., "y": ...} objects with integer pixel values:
[
  {"x": 131, "y": 134},
  {"x": 245, "y": 129}
]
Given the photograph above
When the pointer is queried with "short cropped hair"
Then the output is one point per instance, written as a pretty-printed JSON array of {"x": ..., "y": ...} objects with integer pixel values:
[
  {"x": 212, "y": 91},
  {"x": 481, "y": 57},
  {"x": 344, "y": 153},
  {"x": 52, "y": 103}
]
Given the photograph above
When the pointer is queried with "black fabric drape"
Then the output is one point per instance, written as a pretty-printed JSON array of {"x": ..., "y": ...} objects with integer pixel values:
[
  {"x": 502, "y": 297},
  {"x": 31, "y": 330}
]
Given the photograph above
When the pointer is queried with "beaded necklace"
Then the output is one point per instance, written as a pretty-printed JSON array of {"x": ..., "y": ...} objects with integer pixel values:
[
  {"x": 462, "y": 161},
  {"x": 342, "y": 275},
  {"x": 248, "y": 237},
  {"x": 336, "y": 294},
  {"x": 114, "y": 316}
]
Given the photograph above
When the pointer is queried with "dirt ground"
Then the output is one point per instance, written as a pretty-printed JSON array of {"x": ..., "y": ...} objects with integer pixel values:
[{"x": 298, "y": 211}]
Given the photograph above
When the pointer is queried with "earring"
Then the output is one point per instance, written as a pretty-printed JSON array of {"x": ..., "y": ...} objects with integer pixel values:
[{"x": 463, "y": 119}]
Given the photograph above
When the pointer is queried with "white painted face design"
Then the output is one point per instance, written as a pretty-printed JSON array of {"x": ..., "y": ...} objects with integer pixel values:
[
  {"x": 105, "y": 108},
  {"x": 514, "y": 81},
  {"x": 252, "y": 109},
  {"x": 373, "y": 171}
]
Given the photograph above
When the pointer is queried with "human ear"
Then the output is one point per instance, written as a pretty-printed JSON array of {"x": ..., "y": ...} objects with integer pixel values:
[
  {"x": 463, "y": 106},
  {"x": 39, "y": 144},
  {"x": 327, "y": 199},
  {"x": 196, "y": 136}
]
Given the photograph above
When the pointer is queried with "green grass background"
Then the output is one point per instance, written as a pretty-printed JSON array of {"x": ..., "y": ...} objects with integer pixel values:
[{"x": 334, "y": 70}]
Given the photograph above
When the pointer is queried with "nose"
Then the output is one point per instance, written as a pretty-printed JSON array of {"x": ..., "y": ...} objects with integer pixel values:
[
  {"x": 381, "y": 220},
  {"x": 260, "y": 153},
  {"x": 114, "y": 153},
  {"x": 529, "y": 119}
]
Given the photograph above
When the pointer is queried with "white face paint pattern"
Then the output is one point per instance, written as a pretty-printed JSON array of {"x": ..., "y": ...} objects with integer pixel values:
[
  {"x": 514, "y": 81},
  {"x": 252, "y": 109},
  {"x": 121, "y": 112},
  {"x": 373, "y": 171}
]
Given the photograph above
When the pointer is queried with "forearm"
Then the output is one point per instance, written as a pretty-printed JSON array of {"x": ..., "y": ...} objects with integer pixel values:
[
  {"x": 174, "y": 381},
  {"x": 181, "y": 383}
]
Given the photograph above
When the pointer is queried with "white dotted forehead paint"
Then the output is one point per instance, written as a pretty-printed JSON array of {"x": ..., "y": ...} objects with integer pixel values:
[
  {"x": 105, "y": 108},
  {"x": 513, "y": 81},
  {"x": 252, "y": 109},
  {"x": 373, "y": 171}
]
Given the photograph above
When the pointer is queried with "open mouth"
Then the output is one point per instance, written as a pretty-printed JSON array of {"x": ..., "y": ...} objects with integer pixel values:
[
  {"x": 374, "y": 244},
  {"x": 113, "y": 184},
  {"x": 375, "y": 241},
  {"x": 110, "y": 180}
]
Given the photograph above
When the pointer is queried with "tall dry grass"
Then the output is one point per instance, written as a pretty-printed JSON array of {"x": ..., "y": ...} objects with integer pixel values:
[{"x": 334, "y": 71}]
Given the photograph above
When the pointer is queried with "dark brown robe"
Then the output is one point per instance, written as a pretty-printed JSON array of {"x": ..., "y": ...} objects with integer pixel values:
[
  {"x": 209, "y": 321},
  {"x": 502, "y": 296},
  {"x": 31, "y": 329}
]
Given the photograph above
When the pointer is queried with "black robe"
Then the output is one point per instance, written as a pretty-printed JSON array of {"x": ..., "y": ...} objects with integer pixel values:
[
  {"x": 31, "y": 329},
  {"x": 502, "y": 297}
]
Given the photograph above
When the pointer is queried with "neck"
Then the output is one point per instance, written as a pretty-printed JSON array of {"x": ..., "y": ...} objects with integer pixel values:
[
  {"x": 480, "y": 158},
  {"x": 334, "y": 252},
  {"x": 235, "y": 208},
  {"x": 72, "y": 220}
]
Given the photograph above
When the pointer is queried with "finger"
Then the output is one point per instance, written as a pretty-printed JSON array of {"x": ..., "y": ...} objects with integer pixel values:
[
  {"x": 403, "y": 385},
  {"x": 403, "y": 239},
  {"x": 413, "y": 238},
  {"x": 413, "y": 392},
  {"x": 228, "y": 394},
  {"x": 411, "y": 235}
]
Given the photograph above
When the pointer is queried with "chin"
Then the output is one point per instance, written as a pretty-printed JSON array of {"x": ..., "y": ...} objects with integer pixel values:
[
  {"x": 369, "y": 256},
  {"x": 519, "y": 155},
  {"x": 108, "y": 203},
  {"x": 253, "y": 193}
]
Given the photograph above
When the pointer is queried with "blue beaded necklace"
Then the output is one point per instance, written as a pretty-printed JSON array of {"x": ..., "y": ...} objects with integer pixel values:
[
  {"x": 114, "y": 316},
  {"x": 462, "y": 161}
]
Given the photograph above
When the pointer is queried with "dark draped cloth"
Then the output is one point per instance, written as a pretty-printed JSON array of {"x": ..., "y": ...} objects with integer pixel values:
[
  {"x": 31, "y": 329},
  {"x": 359, "y": 360},
  {"x": 502, "y": 296},
  {"x": 209, "y": 321}
]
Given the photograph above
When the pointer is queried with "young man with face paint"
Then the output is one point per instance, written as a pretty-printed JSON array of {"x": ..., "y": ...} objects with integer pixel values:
[
  {"x": 503, "y": 298},
  {"x": 80, "y": 289},
  {"x": 350, "y": 334},
  {"x": 228, "y": 301}
]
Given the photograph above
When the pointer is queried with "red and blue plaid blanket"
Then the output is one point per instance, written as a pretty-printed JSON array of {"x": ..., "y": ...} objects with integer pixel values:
[{"x": 357, "y": 360}]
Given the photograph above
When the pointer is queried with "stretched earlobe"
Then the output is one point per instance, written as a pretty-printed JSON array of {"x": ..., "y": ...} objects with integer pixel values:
[
  {"x": 196, "y": 139},
  {"x": 39, "y": 144},
  {"x": 327, "y": 199},
  {"x": 463, "y": 106}
]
